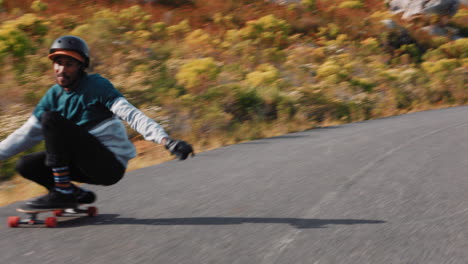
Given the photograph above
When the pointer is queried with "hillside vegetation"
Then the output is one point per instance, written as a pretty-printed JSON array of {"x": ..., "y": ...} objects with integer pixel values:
[{"x": 217, "y": 72}]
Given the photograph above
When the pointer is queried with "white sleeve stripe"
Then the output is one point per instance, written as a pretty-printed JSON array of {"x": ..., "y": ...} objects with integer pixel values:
[
  {"x": 138, "y": 121},
  {"x": 25, "y": 137}
]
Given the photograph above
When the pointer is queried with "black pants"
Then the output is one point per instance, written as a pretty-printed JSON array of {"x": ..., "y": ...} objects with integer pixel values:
[{"x": 68, "y": 144}]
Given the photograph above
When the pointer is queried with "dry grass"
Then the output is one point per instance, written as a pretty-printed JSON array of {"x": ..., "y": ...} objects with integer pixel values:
[{"x": 18, "y": 189}]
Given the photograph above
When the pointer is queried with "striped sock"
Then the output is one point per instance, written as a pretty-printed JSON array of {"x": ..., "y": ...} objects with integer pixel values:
[{"x": 62, "y": 180}]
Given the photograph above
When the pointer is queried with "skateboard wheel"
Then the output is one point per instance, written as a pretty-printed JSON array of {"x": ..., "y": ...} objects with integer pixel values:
[
  {"x": 92, "y": 211},
  {"x": 13, "y": 221},
  {"x": 51, "y": 222},
  {"x": 58, "y": 212}
]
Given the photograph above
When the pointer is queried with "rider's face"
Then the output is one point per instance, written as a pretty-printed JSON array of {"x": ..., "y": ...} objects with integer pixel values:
[{"x": 67, "y": 71}]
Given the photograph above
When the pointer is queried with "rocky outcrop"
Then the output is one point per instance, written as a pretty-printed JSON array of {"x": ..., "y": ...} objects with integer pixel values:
[
  {"x": 410, "y": 8},
  {"x": 417, "y": 10}
]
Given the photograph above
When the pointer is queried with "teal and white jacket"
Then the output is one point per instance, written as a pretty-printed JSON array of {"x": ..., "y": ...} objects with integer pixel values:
[{"x": 97, "y": 106}]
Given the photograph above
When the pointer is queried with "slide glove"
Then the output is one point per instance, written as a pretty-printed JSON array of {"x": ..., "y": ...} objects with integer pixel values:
[{"x": 179, "y": 148}]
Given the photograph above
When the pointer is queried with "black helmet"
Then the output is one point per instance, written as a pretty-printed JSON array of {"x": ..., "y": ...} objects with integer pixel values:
[{"x": 70, "y": 43}]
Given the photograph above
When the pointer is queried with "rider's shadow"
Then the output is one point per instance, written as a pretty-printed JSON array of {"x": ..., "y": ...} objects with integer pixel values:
[{"x": 300, "y": 223}]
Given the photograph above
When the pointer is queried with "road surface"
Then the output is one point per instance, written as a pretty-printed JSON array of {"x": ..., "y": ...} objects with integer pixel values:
[{"x": 393, "y": 190}]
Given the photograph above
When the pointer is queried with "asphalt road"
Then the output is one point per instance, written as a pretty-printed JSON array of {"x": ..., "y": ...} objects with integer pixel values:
[{"x": 392, "y": 190}]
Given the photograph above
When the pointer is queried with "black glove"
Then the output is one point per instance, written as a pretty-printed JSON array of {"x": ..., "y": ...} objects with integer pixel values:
[{"x": 179, "y": 148}]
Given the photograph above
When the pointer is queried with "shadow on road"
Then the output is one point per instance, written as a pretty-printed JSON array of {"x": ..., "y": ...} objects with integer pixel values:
[{"x": 114, "y": 219}]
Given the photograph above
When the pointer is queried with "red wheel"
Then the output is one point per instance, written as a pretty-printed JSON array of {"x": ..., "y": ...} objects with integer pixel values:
[
  {"x": 13, "y": 221},
  {"x": 92, "y": 211},
  {"x": 51, "y": 222},
  {"x": 58, "y": 212}
]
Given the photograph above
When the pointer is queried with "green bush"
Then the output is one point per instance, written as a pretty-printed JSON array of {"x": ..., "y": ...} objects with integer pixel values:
[
  {"x": 246, "y": 105},
  {"x": 19, "y": 37},
  {"x": 319, "y": 107},
  {"x": 16, "y": 43},
  {"x": 311, "y": 5},
  {"x": 363, "y": 83}
]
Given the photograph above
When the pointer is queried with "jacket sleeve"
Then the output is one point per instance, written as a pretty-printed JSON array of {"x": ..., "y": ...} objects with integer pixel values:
[
  {"x": 25, "y": 137},
  {"x": 147, "y": 127}
]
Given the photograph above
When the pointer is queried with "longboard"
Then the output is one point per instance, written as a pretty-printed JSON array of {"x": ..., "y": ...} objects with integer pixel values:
[{"x": 16, "y": 221}]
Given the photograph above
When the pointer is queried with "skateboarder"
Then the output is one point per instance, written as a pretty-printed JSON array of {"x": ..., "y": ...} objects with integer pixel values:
[{"x": 79, "y": 118}]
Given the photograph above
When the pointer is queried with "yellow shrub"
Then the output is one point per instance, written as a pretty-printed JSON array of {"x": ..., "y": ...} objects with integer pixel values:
[
  {"x": 107, "y": 21},
  {"x": 370, "y": 44},
  {"x": 264, "y": 74},
  {"x": 337, "y": 68},
  {"x": 342, "y": 39},
  {"x": 196, "y": 71},
  {"x": 132, "y": 14},
  {"x": 226, "y": 21},
  {"x": 199, "y": 43},
  {"x": 434, "y": 55},
  {"x": 330, "y": 31},
  {"x": 231, "y": 36},
  {"x": 444, "y": 65},
  {"x": 142, "y": 68},
  {"x": 179, "y": 29},
  {"x": 218, "y": 18},
  {"x": 139, "y": 36},
  {"x": 31, "y": 23},
  {"x": 319, "y": 53},
  {"x": 299, "y": 55},
  {"x": 268, "y": 30},
  {"x": 159, "y": 29},
  {"x": 353, "y": 4},
  {"x": 309, "y": 4},
  {"x": 328, "y": 68},
  {"x": 380, "y": 15},
  {"x": 18, "y": 37},
  {"x": 456, "y": 49},
  {"x": 390, "y": 74},
  {"x": 198, "y": 38},
  {"x": 82, "y": 30},
  {"x": 462, "y": 13},
  {"x": 363, "y": 83},
  {"x": 39, "y": 6},
  {"x": 409, "y": 75},
  {"x": 464, "y": 62}
]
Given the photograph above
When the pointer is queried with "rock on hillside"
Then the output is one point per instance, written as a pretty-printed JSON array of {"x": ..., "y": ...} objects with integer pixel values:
[{"x": 410, "y": 8}]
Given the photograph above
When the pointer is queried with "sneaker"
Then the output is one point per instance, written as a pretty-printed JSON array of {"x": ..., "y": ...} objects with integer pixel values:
[
  {"x": 53, "y": 200},
  {"x": 85, "y": 196}
]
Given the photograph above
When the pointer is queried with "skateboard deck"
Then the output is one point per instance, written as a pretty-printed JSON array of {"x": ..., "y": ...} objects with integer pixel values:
[{"x": 32, "y": 219}]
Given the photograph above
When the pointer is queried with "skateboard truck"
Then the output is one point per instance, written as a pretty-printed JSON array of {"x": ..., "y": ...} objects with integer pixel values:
[{"x": 15, "y": 221}]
